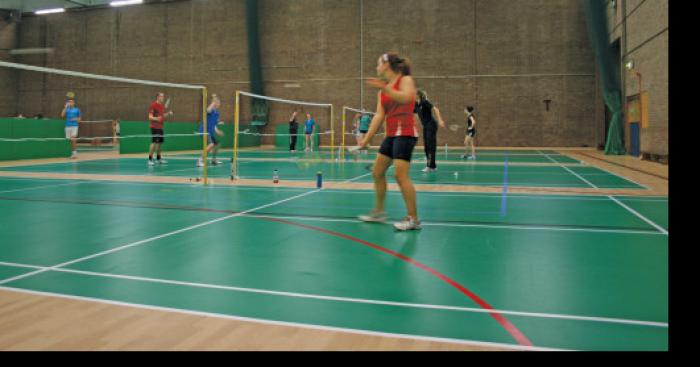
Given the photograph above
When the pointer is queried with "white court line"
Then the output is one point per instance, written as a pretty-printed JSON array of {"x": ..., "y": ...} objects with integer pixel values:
[
  {"x": 616, "y": 175},
  {"x": 282, "y": 323},
  {"x": 44, "y": 187},
  {"x": 612, "y": 173},
  {"x": 572, "y": 172},
  {"x": 658, "y": 227},
  {"x": 138, "y": 243},
  {"x": 353, "y": 300},
  {"x": 466, "y": 225}
]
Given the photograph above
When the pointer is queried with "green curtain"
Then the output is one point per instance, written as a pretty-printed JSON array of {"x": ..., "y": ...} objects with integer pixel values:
[
  {"x": 259, "y": 107},
  {"x": 597, "y": 22}
]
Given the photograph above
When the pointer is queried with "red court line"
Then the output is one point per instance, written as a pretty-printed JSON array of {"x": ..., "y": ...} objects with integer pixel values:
[{"x": 507, "y": 325}]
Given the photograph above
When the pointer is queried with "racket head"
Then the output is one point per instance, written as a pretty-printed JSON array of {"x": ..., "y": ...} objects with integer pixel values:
[
  {"x": 454, "y": 127},
  {"x": 167, "y": 103}
]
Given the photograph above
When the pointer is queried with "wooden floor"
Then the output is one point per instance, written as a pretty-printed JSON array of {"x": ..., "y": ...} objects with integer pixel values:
[
  {"x": 37, "y": 322},
  {"x": 33, "y": 322}
]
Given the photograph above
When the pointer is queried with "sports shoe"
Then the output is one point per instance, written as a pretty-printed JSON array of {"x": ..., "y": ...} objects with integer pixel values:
[
  {"x": 74, "y": 155},
  {"x": 215, "y": 162},
  {"x": 162, "y": 161},
  {"x": 471, "y": 158},
  {"x": 373, "y": 217},
  {"x": 151, "y": 163},
  {"x": 200, "y": 163},
  {"x": 407, "y": 224}
]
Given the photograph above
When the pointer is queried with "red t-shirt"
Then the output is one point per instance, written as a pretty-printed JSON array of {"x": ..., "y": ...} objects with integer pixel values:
[
  {"x": 157, "y": 110},
  {"x": 399, "y": 117}
]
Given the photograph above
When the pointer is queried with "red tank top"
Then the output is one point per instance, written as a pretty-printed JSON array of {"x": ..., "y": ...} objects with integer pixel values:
[{"x": 399, "y": 117}]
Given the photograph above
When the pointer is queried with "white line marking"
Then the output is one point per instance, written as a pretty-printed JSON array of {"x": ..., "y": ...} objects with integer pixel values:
[
  {"x": 282, "y": 323},
  {"x": 119, "y": 248},
  {"x": 43, "y": 187},
  {"x": 618, "y": 176},
  {"x": 658, "y": 227},
  {"x": 436, "y": 224},
  {"x": 355, "y": 300},
  {"x": 572, "y": 172}
]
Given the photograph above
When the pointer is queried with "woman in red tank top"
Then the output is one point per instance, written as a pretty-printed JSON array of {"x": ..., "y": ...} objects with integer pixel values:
[{"x": 395, "y": 104}]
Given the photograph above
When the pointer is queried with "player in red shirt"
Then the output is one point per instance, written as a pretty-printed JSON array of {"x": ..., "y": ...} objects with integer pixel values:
[
  {"x": 395, "y": 104},
  {"x": 157, "y": 115}
]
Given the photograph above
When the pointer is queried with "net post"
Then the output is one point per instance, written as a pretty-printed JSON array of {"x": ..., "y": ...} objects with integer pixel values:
[
  {"x": 342, "y": 140},
  {"x": 332, "y": 134},
  {"x": 236, "y": 120},
  {"x": 204, "y": 135},
  {"x": 114, "y": 133}
]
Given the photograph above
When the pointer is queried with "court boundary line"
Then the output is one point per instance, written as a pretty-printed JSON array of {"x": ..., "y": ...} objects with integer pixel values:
[
  {"x": 612, "y": 173},
  {"x": 283, "y": 323},
  {"x": 572, "y": 172},
  {"x": 44, "y": 187},
  {"x": 165, "y": 235},
  {"x": 648, "y": 221},
  {"x": 624, "y": 166},
  {"x": 467, "y": 225},
  {"x": 597, "y": 319}
]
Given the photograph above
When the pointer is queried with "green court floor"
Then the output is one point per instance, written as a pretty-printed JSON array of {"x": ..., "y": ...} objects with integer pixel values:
[{"x": 550, "y": 271}]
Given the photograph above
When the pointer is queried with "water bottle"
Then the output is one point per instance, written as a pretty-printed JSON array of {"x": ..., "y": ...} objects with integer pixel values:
[
  {"x": 275, "y": 177},
  {"x": 319, "y": 179}
]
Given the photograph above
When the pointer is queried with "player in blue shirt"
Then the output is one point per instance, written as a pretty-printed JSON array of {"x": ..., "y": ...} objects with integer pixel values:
[
  {"x": 213, "y": 130},
  {"x": 308, "y": 132},
  {"x": 72, "y": 115}
]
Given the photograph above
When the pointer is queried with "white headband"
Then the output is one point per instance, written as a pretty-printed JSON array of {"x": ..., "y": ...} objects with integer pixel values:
[{"x": 385, "y": 57}]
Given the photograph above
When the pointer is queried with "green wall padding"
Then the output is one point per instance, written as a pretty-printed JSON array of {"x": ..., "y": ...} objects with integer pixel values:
[{"x": 12, "y": 128}]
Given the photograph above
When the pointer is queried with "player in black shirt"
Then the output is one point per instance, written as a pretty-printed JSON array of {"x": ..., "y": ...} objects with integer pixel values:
[
  {"x": 293, "y": 128},
  {"x": 471, "y": 133},
  {"x": 428, "y": 114}
]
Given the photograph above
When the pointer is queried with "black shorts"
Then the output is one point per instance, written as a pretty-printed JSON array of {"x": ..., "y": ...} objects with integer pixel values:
[
  {"x": 471, "y": 133},
  {"x": 211, "y": 139},
  {"x": 398, "y": 147},
  {"x": 363, "y": 131},
  {"x": 157, "y": 135}
]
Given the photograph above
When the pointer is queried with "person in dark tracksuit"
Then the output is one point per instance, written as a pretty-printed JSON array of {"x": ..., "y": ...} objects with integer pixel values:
[
  {"x": 428, "y": 115},
  {"x": 293, "y": 129}
]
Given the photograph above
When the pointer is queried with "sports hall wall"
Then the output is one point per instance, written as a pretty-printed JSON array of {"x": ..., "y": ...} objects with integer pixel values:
[
  {"x": 642, "y": 29},
  {"x": 505, "y": 57}
]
